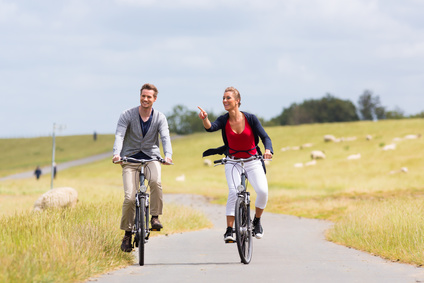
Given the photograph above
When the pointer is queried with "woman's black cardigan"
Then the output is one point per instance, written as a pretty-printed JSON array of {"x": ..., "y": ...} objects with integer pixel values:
[{"x": 258, "y": 132}]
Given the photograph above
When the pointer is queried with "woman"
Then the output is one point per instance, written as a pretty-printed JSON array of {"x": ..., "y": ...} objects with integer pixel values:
[{"x": 241, "y": 132}]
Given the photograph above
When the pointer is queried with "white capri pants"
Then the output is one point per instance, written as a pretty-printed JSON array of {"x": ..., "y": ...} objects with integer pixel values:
[{"x": 257, "y": 178}]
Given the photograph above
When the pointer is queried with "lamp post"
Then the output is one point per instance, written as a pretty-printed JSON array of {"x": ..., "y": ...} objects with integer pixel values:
[{"x": 59, "y": 127}]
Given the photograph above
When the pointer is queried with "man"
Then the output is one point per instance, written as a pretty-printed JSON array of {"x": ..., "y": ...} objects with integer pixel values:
[{"x": 137, "y": 136}]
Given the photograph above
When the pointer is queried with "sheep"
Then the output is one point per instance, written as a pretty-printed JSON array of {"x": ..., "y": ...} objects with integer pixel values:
[
  {"x": 311, "y": 163},
  {"x": 57, "y": 198},
  {"x": 306, "y": 145},
  {"x": 412, "y": 137},
  {"x": 317, "y": 154},
  {"x": 368, "y": 137},
  {"x": 401, "y": 170},
  {"x": 298, "y": 165},
  {"x": 329, "y": 138},
  {"x": 391, "y": 146},
  {"x": 349, "y": 139},
  {"x": 354, "y": 156},
  {"x": 180, "y": 178},
  {"x": 207, "y": 162}
]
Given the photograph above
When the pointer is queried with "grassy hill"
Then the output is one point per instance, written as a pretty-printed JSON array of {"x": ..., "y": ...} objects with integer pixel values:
[
  {"x": 25, "y": 154},
  {"x": 375, "y": 206}
]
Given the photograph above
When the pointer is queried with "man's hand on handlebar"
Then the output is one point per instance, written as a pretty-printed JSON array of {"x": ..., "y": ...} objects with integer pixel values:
[
  {"x": 168, "y": 161},
  {"x": 116, "y": 158}
]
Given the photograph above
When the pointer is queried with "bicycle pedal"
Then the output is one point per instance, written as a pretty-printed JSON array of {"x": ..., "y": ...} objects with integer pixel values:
[
  {"x": 229, "y": 241},
  {"x": 155, "y": 229}
]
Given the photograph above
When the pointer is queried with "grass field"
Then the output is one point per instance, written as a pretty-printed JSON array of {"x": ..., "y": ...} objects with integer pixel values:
[{"x": 375, "y": 207}]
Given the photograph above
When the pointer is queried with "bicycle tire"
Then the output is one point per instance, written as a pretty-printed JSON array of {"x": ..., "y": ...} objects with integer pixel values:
[
  {"x": 243, "y": 229},
  {"x": 141, "y": 230}
]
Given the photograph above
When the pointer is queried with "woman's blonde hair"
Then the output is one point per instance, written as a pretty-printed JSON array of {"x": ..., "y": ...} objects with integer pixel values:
[{"x": 236, "y": 93}]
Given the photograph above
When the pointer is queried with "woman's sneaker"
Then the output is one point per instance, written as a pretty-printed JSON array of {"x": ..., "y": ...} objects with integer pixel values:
[
  {"x": 228, "y": 236},
  {"x": 257, "y": 228}
]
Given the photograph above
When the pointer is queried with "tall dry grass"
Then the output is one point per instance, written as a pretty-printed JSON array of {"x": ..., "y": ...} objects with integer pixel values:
[
  {"x": 392, "y": 228},
  {"x": 335, "y": 189},
  {"x": 73, "y": 244}
]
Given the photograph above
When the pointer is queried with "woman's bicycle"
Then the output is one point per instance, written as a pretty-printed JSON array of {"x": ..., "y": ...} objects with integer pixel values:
[
  {"x": 243, "y": 221},
  {"x": 141, "y": 228}
]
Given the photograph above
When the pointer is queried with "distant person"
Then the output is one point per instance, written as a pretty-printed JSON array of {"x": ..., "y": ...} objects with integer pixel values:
[
  {"x": 241, "y": 132},
  {"x": 54, "y": 170},
  {"x": 137, "y": 136},
  {"x": 94, "y": 136},
  {"x": 37, "y": 172}
]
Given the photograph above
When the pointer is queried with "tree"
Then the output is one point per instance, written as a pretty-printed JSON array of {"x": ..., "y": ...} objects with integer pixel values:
[
  {"x": 397, "y": 113},
  {"x": 325, "y": 110},
  {"x": 183, "y": 121},
  {"x": 369, "y": 106}
]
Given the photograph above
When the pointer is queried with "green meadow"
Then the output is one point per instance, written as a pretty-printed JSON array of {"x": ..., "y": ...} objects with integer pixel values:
[{"x": 374, "y": 205}]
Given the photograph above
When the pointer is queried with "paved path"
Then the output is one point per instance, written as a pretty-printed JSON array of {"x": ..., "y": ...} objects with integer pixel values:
[
  {"x": 60, "y": 167},
  {"x": 293, "y": 250}
]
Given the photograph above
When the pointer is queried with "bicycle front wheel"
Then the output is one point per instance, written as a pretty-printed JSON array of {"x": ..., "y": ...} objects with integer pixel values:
[
  {"x": 141, "y": 230},
  {"x": 243, "y": 229}
]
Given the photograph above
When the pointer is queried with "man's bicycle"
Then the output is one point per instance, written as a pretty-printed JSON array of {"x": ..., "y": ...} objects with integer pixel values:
[
  {"x": 243, "y": 221},
  {"x": 141, "y": 228}
]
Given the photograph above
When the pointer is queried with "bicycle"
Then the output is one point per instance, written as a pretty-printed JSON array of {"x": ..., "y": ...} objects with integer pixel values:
[
  {"x": 243, "y": 222},
  {"x": 141, "y": 229}
]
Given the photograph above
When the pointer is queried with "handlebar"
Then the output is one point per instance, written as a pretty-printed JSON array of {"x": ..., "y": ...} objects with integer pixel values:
[
  {"x": 141, "y": 161},
  {"x": 238, "y": 160}
]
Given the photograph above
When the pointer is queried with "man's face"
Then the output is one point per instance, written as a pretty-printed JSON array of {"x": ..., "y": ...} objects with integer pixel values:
[{"x": 147, "y": 98}]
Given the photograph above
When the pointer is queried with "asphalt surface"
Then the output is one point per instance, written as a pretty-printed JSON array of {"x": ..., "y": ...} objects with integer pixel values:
[
  {"x": 293, "y": 249},
  {"x": 60, "y": 166}
]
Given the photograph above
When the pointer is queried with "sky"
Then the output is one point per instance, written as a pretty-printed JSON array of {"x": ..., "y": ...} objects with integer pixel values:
[{"x": 78, "y": 64}]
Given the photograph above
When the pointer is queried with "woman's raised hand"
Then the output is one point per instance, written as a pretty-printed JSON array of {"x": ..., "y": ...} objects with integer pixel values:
[{"x": 202, "y": 114}]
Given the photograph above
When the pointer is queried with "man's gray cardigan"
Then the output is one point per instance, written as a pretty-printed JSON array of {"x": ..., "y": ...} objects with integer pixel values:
[{"x": 129, "y": 139}]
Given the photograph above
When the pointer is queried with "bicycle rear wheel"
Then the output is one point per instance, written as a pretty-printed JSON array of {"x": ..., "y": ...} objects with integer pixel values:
[
  {"x": 141, "y": 230},
  {"x": 243, "y": 229}
]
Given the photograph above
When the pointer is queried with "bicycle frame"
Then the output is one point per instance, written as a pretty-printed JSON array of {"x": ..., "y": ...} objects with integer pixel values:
[
  {"x": 141, "y": 228},
  {"x": 243, "y": 222}
]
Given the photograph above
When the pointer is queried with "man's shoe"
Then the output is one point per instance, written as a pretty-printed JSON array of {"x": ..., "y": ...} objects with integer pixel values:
[
  {"x": 258, "y": 232},
  {"x": 156, "y": 225},
  {"x": 126, "y": 245},
  {"x": 228, "y": 236}
]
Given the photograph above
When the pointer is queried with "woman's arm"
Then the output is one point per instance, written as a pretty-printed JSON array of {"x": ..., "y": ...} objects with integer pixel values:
[{"x": 204, "y": 116}]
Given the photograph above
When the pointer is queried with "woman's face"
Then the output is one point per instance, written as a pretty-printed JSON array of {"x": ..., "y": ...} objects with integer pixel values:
[{"x": 229, "y": 101}]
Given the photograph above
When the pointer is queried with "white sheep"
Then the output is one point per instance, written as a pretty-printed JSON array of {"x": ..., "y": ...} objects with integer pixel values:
[
  {"x": 368, "y": 137},
  {"x": 180, "y": 178},
  {"x": 317, "y": 154},
  {"x": 306, "y": 145},
  {"x": 329, "y": 138},
  {"x": 207, "y": 162},
  {"x": 412, "y": 137},
  {"x": 401, "y": 170},
  {"x": 349, "y": 139},
  {"x": 354, "y": 156},
  {"x": 311, "y": 163},
  {"x": 57, "y": 198},
  {"x": 391, "y": 146}
]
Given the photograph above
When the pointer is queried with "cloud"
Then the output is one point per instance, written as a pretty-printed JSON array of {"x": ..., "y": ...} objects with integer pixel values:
[{"x": 64, "y": 56}]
